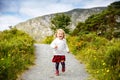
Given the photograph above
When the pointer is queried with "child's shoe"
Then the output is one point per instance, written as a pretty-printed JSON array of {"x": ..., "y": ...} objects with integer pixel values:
[
  {"x": 57, "y": 73},
  {"x": 63, "y": 69}
]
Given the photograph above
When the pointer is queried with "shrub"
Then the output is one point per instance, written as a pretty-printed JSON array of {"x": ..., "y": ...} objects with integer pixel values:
[
  {"x": 16, "y": 53},
  {"x": 112, "y": 59},
  {"x": 48, "y": 40},
  {"x": 101, "y": 56}
]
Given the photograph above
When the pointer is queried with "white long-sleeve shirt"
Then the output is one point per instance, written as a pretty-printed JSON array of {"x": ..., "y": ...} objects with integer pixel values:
[{"x": 62, "y": 46}]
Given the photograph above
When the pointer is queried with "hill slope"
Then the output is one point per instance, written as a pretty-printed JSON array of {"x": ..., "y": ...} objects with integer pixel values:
[{"x": 39, "y": 27}]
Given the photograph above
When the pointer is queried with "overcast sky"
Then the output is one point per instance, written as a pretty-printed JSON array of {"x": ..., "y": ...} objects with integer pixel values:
[{"x": 13, "y": 12}]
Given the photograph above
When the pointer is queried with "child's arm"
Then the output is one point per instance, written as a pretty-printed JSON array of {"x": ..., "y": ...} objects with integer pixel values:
[{"x": 53, "y": 45}]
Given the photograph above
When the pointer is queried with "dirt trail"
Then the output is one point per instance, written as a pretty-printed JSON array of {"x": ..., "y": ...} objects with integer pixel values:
[{"x": 44, "y": 68}]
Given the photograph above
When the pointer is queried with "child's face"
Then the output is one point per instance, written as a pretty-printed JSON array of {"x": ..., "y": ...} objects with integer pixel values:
[{"x": 60, "y": 35}]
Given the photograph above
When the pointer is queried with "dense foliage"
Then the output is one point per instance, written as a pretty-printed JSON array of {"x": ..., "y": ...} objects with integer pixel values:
[
  {"x": 97, "y": 41},
  {"x": 60, "y": 21},
  {"x": 48, "y": 39},
  {"x": 105, "y": 24},
  {"x": 16, "y": 53},
  {"x": 101, "y": 56}
]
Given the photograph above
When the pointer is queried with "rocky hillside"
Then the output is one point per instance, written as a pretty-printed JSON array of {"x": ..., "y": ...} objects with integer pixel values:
[{"x": 39, "y": 27}]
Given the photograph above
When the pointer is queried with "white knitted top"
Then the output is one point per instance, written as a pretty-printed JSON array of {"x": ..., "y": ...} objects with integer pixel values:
[{"x": 62, "y": 46}]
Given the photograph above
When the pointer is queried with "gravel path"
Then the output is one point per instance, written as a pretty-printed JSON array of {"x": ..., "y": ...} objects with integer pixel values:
[{"x": 44, "y": 68}]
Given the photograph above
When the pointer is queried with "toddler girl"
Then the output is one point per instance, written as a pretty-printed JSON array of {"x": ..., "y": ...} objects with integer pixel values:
[{"x": 60, "y": 48}]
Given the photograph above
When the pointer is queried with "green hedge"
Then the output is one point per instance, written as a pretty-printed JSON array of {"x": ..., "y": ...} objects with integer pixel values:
[{"x": 16, "y": 53}]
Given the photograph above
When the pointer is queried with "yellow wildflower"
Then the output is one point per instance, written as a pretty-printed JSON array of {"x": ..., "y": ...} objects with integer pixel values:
[
  {"x": 108, "y": 70},
  {"x": 103, "y": 64},
  {"x": 2, "y": 58},
  {"x": 97, "y": 72},
  {"x": 9, "y": 55},
  {"x": 95, "y": 58}
]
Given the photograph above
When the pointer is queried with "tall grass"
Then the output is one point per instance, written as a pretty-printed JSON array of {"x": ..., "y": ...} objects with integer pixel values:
[{"x": 16, "y": 53}]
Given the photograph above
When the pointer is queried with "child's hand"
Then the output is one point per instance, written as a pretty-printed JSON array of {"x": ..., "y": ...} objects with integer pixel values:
[
  {"x": 68, "y": 52},
  {"x": 56, "y": 47}
]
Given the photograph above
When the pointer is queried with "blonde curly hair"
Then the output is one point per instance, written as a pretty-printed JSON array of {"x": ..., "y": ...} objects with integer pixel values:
[{"x": 60, "y": 30}]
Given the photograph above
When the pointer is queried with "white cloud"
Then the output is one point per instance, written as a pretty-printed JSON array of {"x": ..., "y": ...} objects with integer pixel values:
[
  {"x": 70, "y": 1},
  {"x": 97, "y": 3},
  {"x": 6, "y": 21},
  {"x": 34, "y": 9},
  {"x": 59, "y": 7}
]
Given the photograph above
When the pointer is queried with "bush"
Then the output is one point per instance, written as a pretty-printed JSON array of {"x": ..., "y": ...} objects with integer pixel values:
[
  {"x": 16, "y": 53},
  {"x": 101, "y": 56},
  {"x": 48, "y": 40},
  {"x": 112, "y": 59}
]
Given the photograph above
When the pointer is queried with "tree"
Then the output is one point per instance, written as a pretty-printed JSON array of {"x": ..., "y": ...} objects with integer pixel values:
[
  {"x": 80, "y": 28},
  {"x": 115, "y": 5},
  {"x": 61, "y": 21}
]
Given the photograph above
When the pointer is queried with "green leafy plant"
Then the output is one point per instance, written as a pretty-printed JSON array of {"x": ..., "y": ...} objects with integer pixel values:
[
  {"x": 61, "y": 21},
  {"x": 48, "y": 40},
  {"x": 16, "y": 53}
]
